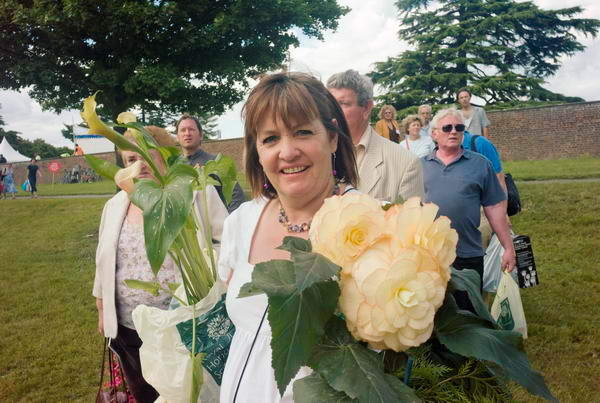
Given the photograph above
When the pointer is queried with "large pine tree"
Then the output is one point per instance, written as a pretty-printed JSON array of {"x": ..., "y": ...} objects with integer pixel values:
[{"x": 501, "y": 49}]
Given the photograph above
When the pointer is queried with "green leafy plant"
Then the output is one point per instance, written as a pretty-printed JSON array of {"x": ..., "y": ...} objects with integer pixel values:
[
  {"x": 307, "y": 330},
  {"x": 171, "y": 224}
]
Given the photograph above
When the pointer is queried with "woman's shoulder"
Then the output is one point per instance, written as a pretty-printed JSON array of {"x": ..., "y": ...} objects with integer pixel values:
[{"x": 247, "y": 211}]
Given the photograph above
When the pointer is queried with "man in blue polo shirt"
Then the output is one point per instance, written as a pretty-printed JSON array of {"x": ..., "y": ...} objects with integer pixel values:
[{"x": 460, "y": 181}]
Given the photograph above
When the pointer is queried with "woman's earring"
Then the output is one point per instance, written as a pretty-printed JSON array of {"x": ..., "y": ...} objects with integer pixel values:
[{"x": 334, "y": 171}]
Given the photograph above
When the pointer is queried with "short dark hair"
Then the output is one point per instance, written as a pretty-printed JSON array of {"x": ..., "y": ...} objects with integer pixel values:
[
  {"x": 188, "y": 116},
  {"x": 463, "y": 89},
  {"x": 298, "y": 97}
]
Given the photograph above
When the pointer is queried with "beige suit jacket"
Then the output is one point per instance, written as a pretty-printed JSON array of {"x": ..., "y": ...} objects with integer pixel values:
[
  {"x": 389, "y": 172},
  {"x": 112, "y": 219}
]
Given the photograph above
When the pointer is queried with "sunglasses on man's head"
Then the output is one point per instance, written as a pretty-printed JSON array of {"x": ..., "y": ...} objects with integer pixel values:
[{"x": 448, "y": 128}]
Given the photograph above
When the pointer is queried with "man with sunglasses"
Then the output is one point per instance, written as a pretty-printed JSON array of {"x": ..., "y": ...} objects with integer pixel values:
[{"x": 460, "y": 181}]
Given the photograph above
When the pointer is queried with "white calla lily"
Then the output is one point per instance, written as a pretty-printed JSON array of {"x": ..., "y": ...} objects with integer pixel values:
[{"x": 124, "y": 177}]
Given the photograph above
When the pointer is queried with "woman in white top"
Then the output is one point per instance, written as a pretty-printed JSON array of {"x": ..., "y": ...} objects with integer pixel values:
[
  {"x": 297, "y": 153},
  {"x": 414, "y": 142},
  {"x": 121, "y": 255}
]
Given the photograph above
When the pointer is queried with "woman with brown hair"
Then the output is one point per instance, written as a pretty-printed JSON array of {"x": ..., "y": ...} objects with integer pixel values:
[
  {"x": 297, "y": 153},
  {"x": 414, "y": 142},
  {"x": 388, "y": 126}
]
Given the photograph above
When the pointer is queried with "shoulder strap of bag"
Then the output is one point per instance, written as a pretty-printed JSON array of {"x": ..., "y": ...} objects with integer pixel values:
[{"x": 474, "y": 142}]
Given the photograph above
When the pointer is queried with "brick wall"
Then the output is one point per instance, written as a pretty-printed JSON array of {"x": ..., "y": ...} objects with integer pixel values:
[
  {"x": 20, "y": 168},
  {"x": 548, "y": 132}
]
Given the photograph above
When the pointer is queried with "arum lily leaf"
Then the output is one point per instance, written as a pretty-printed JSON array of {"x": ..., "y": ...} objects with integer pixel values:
[
  {"x": 102, "y": 167},
  {"x": 165, "y": 212},
  {"x": 352, "y": 368},
  {"x": 471, "y": 336},
  {"x": 151, "y": 287},
  {"x": 224, "y": 168},
  {"x": 314, "y": 388},
  {"x": 469, "y": 280}
]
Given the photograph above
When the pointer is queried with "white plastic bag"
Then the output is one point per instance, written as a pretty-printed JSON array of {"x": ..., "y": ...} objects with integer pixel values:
[
  {"x": 492, "y": 272},
  {"x": 507, "y": 308},
  {"x": 166, "y": 362}
]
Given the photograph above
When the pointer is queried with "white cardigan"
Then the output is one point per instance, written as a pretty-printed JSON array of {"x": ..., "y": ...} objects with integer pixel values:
[{"x": 112, "y": 219}]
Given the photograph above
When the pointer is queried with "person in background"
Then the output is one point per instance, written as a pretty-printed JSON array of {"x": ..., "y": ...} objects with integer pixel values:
[
  {"x": 460, "y": 182},
  {"x": 388, "y": 126},
  {"x": 414, "y": 142},
  {"x": 297, "y": 154},
  {"x": 425, "y": 115},
  {"x": 189, "y": 136},
  {"x": 8, "y": 181},
  {"x": 33, "y": 172},
  {"x": 121, "y": 255},
  {"x": 2, "y": 159},
  {"x": 475, "y": 118},
  {"x": 78, "y": 150},
  {"x": 386, "y": 171}
]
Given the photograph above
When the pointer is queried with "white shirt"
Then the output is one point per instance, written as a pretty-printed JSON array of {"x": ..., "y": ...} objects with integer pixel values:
[{"x": 420, "y": 147}]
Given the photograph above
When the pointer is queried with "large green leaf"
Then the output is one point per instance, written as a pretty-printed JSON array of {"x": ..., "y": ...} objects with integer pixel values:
[
  {"x": 165, "y": 212},
  {"x": 472, "y": 336},
  {"x": 309, "y": 267},
  {"x": 469, "y": 280},
  {"x": 352, "y": 368},
  {"x": 297, "y": 324},
  {"x": 102, "y": 167},
  {"x": 224, "y": 168},
  {"x": 314, "y": 388},
  {"x": 297, "y": 317}
]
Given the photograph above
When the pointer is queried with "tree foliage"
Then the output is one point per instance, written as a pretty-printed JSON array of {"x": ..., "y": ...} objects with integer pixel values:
[
  {"x": 501, "y": 49},
  {"x": 159, "y": 56}
]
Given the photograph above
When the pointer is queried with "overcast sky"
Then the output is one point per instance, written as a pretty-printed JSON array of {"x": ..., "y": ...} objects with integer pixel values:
[{"x": 366, "y": 35}]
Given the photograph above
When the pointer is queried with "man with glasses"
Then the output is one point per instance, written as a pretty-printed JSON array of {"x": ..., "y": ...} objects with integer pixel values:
[{"x": 460, "y": 181}]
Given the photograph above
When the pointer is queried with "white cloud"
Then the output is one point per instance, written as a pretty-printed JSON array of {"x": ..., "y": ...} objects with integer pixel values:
[
  {"x": 22, "y": 114},
  {"x": 367, "y": 34}
]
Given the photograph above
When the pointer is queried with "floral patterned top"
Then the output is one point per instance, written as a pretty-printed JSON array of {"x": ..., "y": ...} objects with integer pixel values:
[{"x": 132, "y": 264}]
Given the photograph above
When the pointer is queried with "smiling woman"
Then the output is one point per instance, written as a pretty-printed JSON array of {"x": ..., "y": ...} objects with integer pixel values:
[{"x": 298, "y": 153}]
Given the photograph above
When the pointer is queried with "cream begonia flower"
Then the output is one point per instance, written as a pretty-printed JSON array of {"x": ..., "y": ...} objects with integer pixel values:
[
  {"x": 126, "y": 117},
  {"x": 391, "y": 302},
  {"x": 345, "y": 226},
  {"x": 416, "y": 226},
  {"x": 124, "y": 177},
  {"x": 97, "y": 126}
]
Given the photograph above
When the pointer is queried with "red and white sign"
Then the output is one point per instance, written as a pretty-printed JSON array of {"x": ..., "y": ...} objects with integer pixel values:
[{"x": 54, "y": 166}]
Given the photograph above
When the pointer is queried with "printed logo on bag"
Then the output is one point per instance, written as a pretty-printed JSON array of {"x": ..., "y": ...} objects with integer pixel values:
[
  {"x": 505, "y": 320},
  {"x": 214, "y": 332}
]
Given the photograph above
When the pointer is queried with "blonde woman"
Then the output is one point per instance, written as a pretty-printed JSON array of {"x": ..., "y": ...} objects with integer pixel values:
[
  {"x": 121, "y": 255},
  {"x": 414, "y": 142},
  {"x": 388, "y": 126}
]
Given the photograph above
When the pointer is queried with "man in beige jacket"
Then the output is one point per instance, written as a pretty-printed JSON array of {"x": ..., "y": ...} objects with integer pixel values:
[{"x": 386, "y": 171}]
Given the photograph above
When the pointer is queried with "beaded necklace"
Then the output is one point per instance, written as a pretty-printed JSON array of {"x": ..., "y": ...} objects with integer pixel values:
[{"x": 305, "y": 226}]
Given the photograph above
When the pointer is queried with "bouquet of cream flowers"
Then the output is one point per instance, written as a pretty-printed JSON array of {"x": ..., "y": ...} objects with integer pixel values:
[{"x": 372, "y": 281}]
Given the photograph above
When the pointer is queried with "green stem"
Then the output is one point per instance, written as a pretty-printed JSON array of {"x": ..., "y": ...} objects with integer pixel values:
[{"x": 208, "y": 233}]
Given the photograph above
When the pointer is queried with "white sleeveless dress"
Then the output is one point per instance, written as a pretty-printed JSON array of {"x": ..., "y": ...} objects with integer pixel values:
[{"x": 258, "y": 383}]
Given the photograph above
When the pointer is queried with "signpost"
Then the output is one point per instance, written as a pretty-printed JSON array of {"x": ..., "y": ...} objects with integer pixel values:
[{"x": 53, "y": 167}]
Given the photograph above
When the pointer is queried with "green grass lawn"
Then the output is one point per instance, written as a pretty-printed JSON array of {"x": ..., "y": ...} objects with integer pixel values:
[
  {"x": 50, "y": 350},
  {"x": 567, "y": 168}
]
